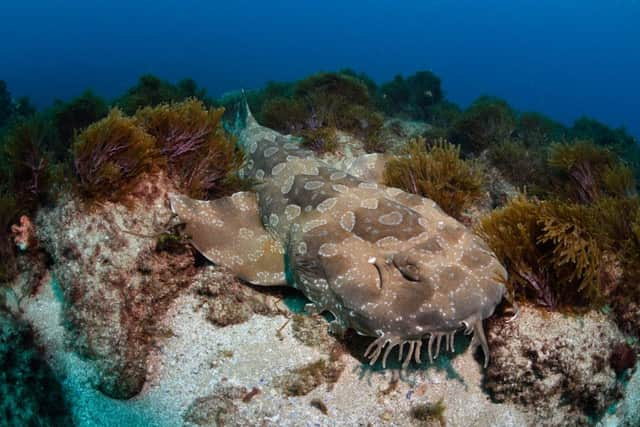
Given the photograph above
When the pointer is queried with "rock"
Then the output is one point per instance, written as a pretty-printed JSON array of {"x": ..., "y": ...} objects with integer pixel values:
[
  {"x": 115, "y": 283},
  {"x": 553, "y": 364}
]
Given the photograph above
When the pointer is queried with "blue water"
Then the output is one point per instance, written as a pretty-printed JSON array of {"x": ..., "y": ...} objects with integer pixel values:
[{"x": 564, "y": 58}]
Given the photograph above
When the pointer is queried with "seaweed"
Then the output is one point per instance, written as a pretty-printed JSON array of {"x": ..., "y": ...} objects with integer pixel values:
[
  {"x": 333, "y": 85},
  {"x": 587, "y": 171},
  {"x": 425, "y": 91},
  {"x": 110, "y": 155},
  {"x": 437, "y": 172},
  {"x": 6, "y": 104},
  {"x": 27, "y": 168},
  {"x": 315, "y": 107},
  {"x": 535, "y": 129},
  {"x": 524, "y": 166},
  {"x": 13, "y": 110},
  {"x": 75, "y": 115},
  {"x": 552, "y": 250},
  {"x": 394, "y": 96},
  {"x": 284, "y": 114},
  {"x": 430, "y": 412},
  {"x": 587, "y": 128},
  {"x": 151, "y": 91},
  {"x": 8, "y": 214},
  {"x": 486, "y": 122},
  {"x": 321, "y": 140},
  {"x": 414, "y": 96},
  {"x": 200, "y": 157}
]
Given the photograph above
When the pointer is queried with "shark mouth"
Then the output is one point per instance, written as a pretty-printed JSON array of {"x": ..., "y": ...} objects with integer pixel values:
[{"x": 374, "y": 350}]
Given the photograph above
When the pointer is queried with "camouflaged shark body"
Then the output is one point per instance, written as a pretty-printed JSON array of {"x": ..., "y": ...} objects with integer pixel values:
[{"x": 389, "y": 264}]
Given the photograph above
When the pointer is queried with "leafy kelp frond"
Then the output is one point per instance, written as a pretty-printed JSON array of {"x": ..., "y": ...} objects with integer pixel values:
[
  {"x": 199, "y": 154},
  {"x": 487, "y": 121},
  {"x": 110, "y": 154},
  {"x": 551, "y": 250},
  {"x": 438, "y": 173},
  {"x": 587, "y": 171}
]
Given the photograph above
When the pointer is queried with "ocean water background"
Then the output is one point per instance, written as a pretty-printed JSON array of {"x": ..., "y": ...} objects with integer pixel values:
[{"x": 565, "y": 58}]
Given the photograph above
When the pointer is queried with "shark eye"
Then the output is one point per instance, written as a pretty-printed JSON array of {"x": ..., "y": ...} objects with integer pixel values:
[{"x": 410, "y": 272}]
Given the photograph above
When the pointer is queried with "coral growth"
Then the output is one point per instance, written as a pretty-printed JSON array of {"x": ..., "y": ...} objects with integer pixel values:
[
  {"x": 24, "y": 235},
  {"x": 437, "y": 172}
]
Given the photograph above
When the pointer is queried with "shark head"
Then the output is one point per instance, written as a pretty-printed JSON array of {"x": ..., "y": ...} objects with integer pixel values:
[{"x": 401, "y": 275}]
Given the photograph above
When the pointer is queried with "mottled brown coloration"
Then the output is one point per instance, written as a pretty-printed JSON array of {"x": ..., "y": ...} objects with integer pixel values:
[{"x": 384, "y": 262}]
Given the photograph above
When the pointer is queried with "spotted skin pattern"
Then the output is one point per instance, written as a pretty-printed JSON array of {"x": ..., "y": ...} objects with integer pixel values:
[{"x": 385, "y": 263}]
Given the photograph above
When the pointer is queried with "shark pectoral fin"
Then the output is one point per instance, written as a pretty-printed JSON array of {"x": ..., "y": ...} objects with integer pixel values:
[
  {"x": 368, "y": 167},
  {"x": 228, "y": 232}
]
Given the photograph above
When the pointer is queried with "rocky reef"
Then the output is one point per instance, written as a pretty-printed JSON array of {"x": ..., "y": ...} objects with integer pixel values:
[{"x": 104, "y": 303}]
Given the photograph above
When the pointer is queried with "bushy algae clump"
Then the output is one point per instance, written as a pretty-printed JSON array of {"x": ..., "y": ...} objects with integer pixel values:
[
  {"x": 151, "y": 91},
  {"x": 438, "y": 173},
  {"x": 110, "y": 154},
  {"x": 75, "y": 115},
  {"x": 587, "y": 171},
  {"x": 487, "y": 121},
  {"x": 184, "y": 138},
  {"x": 561, "y": 254},
  {"x": 319, "y": 105},
  {"x": 200, "y": 157}
]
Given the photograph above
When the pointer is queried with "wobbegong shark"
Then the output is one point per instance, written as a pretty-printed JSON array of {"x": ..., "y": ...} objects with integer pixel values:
[{"x": 386, "y": 263}]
